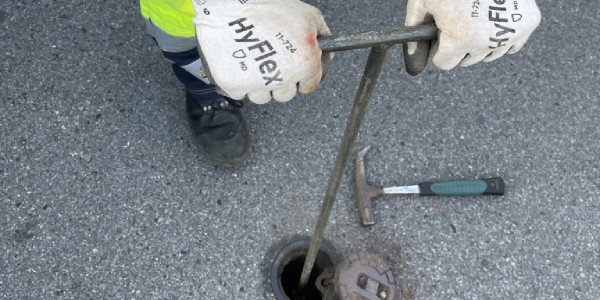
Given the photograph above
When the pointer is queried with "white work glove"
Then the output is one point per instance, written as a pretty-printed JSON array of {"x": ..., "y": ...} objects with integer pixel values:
[
  {"x": 262, "y": 49},
  {"x": 470, "y": 31}
]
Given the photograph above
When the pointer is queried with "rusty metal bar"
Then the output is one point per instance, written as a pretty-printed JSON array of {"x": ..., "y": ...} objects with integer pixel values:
[
  {"x": 366, "y": 88},
  {"x": 373, "y": 38},
  {"x": 379, "y": 41}
]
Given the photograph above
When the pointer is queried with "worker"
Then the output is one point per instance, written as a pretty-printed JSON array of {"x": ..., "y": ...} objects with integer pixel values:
[{"x": 224, "y": 51}]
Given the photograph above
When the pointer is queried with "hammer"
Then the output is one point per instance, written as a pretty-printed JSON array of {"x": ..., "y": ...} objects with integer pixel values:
[{"x": 365, "y": 193}]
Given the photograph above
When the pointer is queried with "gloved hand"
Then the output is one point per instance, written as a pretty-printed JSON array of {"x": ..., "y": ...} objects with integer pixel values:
[
  {"x": 261, "y": 48},
  {"x": 470, "y": 31}
]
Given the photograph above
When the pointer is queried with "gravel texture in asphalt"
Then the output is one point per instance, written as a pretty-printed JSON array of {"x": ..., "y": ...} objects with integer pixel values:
[{"x": 104, "y": 196}]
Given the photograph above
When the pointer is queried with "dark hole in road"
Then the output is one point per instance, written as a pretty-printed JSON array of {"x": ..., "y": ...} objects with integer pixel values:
[
  {"x": 290, "y": 278},
  {"x": 286, "y": 268}
]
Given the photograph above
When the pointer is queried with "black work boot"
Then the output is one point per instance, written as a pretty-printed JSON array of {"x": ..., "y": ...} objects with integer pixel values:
[{"x": 219, "y": 130}]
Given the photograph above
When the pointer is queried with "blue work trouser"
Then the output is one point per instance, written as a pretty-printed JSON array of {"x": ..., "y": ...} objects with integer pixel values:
[
  {"x": 183, "y": 55},
  {"x": 201, "y": 91}
]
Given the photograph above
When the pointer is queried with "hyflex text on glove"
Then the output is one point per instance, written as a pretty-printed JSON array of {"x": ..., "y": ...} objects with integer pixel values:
[
  {"x": 470, "y": 30},
  {"x": 261, "y": 49}
]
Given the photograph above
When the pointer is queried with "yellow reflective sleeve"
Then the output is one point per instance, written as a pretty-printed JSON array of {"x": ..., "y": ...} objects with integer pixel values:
[{"x": 172, "y": 16}]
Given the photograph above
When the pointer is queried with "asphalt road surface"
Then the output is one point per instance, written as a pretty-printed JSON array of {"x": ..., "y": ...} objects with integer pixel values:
[{"x": 103, "y": 195}]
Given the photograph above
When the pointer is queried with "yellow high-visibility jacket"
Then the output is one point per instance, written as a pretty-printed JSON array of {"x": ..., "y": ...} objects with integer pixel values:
[{"x": 172, "y": 16}]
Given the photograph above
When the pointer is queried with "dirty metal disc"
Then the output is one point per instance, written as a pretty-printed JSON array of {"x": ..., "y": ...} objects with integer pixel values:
[{"x": 364, "y": 276}]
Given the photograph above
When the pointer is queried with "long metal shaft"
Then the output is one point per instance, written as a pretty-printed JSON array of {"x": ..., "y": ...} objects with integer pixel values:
[
  {"x": 374, "y": 38},
  {"x": 363, "y": 96}
]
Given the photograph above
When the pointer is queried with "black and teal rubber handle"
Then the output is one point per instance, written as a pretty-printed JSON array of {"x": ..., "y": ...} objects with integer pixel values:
[{"x": 488, "y": 186}]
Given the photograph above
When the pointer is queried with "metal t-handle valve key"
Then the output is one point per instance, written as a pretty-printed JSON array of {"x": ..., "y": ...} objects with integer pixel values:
[{"x": 379, "y": 41}]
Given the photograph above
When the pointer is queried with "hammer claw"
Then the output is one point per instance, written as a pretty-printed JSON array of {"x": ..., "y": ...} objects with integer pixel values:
[{"x": 361, "y": 154}]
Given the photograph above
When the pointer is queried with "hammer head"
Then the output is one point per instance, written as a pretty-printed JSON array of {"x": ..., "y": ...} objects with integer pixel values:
[{"x": 363, "y": 191}]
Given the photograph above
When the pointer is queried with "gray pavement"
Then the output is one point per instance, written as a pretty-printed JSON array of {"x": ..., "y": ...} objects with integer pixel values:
[{"x": 103, "y": 196}]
